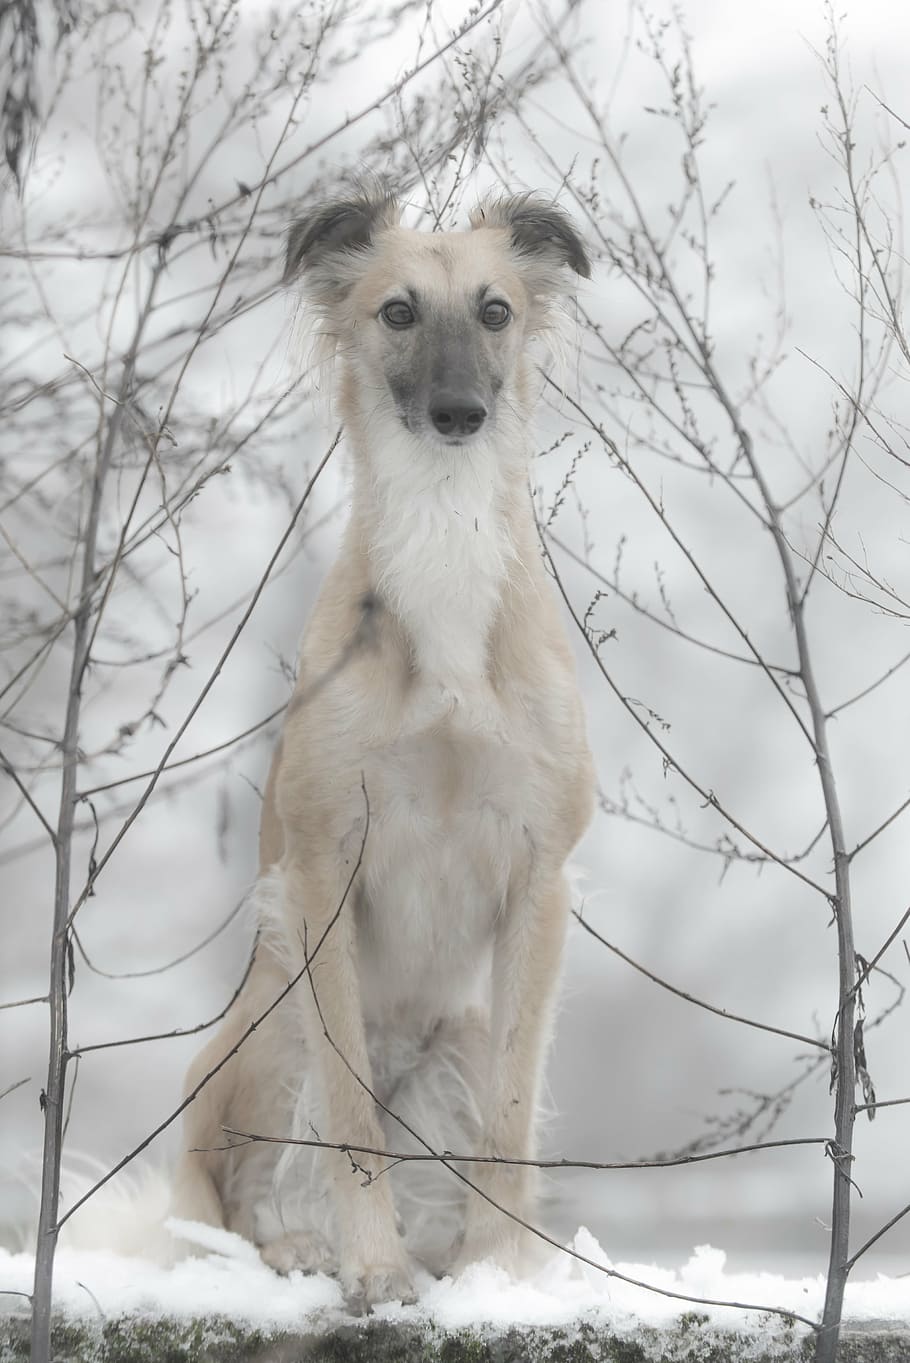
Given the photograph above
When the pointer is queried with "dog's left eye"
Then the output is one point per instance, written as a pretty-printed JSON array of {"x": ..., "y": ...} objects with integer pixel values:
[
  {"x": 398, "y": 314},
  {"x": 495, "y": 315}
]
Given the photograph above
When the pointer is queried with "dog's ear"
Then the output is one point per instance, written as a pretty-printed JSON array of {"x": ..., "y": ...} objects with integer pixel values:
[
  {"x": 538, "y": 229},
  {"x": 344, "y": 225}
]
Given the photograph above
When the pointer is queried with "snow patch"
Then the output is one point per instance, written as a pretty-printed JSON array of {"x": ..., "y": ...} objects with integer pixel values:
[{"x": 231, "y": 1281}]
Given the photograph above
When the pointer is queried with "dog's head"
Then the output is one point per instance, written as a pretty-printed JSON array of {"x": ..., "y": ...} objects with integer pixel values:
[{"x": 434, "y": 326}]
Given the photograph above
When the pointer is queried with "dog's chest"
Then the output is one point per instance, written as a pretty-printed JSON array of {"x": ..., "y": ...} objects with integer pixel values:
[
  {"x": 448, "y": 815},
  {"x": 441, "y": 555}
]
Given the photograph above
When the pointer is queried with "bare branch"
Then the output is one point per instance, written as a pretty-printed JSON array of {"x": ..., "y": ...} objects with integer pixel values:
[
  {"x": 23, "y": 1003},
  {"x": 11, "y": 1088},
  {"x": 447, "y": 1157},
  {"x": 186, "y": 761},
  {"x": 881, "y": 827},
  {"x": 657, "y": 620},
  {"x": 873, "y": 1239},
  {"x": 690, "y": 998},
  {"x": 870, "y": 966},
  {"x": 881, "y": 1102},
  {"x": 27, "y": 797},
  {"x": 177, "y": 1031}
]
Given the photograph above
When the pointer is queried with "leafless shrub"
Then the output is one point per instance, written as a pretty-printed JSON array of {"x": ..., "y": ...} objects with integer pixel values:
[{"x": 123, "y": 444}]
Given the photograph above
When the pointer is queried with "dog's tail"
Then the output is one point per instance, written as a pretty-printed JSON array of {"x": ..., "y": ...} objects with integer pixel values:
[
  {"x": 128, "y": 1215},
  {"x": 136, "y": 1214}
]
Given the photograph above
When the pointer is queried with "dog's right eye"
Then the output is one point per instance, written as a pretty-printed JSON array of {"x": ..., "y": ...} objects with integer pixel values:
[{"x": 398, "y": 315}]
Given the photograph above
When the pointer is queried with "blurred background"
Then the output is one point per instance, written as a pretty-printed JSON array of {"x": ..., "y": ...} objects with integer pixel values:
[{"x": 737, "y": 173}]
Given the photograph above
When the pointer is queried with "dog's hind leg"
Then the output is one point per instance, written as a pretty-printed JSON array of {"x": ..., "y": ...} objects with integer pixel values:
[
  {"x": 221, "y": 1179},
  {"x": 198, "y": 1178}
]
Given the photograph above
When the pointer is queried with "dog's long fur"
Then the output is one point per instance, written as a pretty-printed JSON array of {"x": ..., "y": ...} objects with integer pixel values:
[{"x": 437, "y": 697}]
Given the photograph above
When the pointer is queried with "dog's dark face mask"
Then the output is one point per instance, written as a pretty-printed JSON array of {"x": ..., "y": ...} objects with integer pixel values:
[{"x": 434, "y": 326}]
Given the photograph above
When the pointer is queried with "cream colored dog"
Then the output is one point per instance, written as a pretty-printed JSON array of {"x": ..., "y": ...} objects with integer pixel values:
[{"x": 435, "y": 744}]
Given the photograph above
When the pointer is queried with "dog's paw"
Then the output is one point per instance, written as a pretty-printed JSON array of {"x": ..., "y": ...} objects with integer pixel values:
[
  {"x": 365, "y": 1286},
  {"x": 305, "y": 1251}
]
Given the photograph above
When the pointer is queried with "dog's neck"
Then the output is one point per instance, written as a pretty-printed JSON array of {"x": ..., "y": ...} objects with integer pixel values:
[{"x": 437, "y": 529}]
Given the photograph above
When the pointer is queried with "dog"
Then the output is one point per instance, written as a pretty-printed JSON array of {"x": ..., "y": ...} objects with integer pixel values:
[{"x": 431, "y": 779}]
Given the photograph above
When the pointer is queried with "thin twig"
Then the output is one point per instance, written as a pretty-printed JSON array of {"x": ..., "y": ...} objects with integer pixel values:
[
  {"x": 27, "y": 797},
  {"x": 168, "y": 965},
  {"x": 431, "y": 1157},
  {"x": 656, "y": 619},
  {"x": 177, "y": 1031},
  {"x": 187, "y": 761},
  {"x": 11, "y": 1088},
  {"x": 898, "y": 1216},
  {"x": 905, "y": 805},
  {"x": 860, "y": 695},
  {"x": 870, "y": 965},
  {"x": 881, "y": 1102},
  {"x": 700, "y": 1003}
]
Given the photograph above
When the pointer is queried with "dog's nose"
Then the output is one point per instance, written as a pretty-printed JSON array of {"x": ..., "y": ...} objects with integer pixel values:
[{"x": 453, "y": 415}]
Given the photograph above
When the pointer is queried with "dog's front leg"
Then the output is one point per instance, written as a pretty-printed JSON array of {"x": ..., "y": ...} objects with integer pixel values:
[
  {"x": 526, "y": 965},
  {"x": 373, "y": 1262}
]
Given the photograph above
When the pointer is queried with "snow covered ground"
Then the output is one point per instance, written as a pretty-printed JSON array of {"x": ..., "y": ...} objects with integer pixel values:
[{"x": 231, "y": 1281}]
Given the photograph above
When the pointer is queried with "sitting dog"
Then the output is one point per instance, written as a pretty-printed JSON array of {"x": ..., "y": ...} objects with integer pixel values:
[{"x": 431, "y": 779}]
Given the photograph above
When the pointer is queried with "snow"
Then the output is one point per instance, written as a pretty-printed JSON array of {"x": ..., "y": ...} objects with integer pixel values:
[{"x": 227, "y": 1278}]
